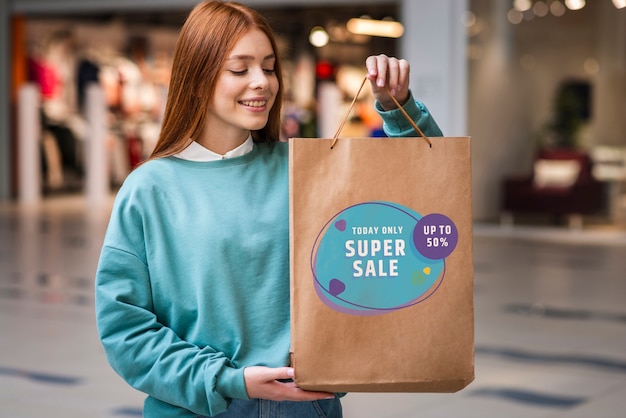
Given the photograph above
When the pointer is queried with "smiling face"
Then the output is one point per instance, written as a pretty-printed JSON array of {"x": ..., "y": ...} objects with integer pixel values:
[{"x": 244, "y": 94}]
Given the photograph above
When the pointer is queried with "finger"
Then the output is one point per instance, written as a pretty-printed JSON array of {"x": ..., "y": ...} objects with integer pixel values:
[
  {"x": 280, "y": 373},
  {"x": 393, "y": 76},
  {"x": 403, "y": 74},
  {"x": 377, "y": 70},
  {"x": 372, "y": 67},
  {"x": 298, "y": 394},
  {"x": 302, "y": 394},
  {"x": 382, "y": 63},
  {"x": 267, "y": 374},
  {"x": 305, "y": 395},
  {"x": 398, "y": 75}
]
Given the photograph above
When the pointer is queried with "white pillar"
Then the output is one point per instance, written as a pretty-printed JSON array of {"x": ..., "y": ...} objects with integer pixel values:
[
  {"x": 434, "y": 43},
  {"x": 29, "y": 154},
  {"x": 97, "y": 161},
  {"x": 609, "y": 102},
  {"x": 5, "y": 98},
  {"x": 329, "y": 109}
]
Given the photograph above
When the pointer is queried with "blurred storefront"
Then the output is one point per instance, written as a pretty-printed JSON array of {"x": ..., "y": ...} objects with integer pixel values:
[
  {"x": 129, "y": 54},
  {"x": 491, "y": 69},
  {"x": 61, "y": 47},
  {"x": 548, "y": 76}
]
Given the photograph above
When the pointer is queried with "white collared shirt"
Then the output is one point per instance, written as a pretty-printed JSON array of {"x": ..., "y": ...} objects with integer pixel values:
[{"x": 198, "y": 153}]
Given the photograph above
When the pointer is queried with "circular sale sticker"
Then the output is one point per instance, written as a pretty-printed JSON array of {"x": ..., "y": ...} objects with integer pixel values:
[{"x": 435, "y": 236}]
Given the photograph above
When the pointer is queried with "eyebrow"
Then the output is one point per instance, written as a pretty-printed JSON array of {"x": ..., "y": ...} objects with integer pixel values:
[{"x": 250, "y": 57}]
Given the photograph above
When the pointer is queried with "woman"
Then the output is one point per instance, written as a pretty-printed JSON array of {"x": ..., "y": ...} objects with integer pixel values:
[{"x": 192, "y": 287}]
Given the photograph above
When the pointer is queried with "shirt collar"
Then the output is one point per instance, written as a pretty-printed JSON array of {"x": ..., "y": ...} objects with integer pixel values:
[{"x": 198, "y": 153}]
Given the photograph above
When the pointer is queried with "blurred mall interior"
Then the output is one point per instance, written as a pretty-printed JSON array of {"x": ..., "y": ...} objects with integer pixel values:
[
  {"x": 539, "y": 85},
  {"x": 530, "y": 81}
]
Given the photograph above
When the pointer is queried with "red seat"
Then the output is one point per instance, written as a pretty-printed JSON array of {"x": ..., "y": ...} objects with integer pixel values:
[{"x": 581, "y": 194}]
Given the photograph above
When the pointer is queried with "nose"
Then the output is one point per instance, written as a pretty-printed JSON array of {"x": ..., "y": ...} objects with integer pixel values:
[{"x": 259, "y": 79}]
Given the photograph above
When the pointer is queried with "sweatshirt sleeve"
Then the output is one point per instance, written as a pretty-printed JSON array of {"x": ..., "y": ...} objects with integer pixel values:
[
  {"x": 145, "y": 353},
  {"x": 396, "y": 125}
]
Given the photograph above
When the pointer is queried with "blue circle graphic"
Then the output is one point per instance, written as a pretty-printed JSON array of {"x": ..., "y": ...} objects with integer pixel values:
[{"x": 365, "y": 260}]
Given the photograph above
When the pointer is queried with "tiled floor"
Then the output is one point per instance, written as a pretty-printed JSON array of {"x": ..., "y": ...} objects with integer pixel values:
[{"x": 550, "y": 325}]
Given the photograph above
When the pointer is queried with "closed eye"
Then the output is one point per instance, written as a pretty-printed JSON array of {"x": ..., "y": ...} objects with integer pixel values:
[{"x": 267, "y": 71}]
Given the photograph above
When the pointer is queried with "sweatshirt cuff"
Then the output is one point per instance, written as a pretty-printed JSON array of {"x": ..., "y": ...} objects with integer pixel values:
[
  {"x": 396, "y": 125},
  {"x": 394, "y": 119},
  {"x": 231, "y": 384}
]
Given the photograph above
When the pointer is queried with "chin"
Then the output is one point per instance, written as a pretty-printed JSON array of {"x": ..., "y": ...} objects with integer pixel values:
[{"x": 257, "y": 126}]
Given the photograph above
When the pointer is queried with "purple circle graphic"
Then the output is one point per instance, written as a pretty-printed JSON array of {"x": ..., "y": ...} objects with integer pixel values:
[{"x": 435, "y": 236}]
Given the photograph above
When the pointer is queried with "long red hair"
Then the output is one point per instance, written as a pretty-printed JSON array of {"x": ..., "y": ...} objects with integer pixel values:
[{"x": 210, "y": 32}]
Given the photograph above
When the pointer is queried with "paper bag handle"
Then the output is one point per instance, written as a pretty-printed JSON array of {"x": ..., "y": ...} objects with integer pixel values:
[{"x": 406, "y": 115}]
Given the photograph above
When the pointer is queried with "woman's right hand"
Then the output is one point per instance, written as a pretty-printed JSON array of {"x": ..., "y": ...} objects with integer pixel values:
[
  {"x": 269, "y": 383},
  {"x": 388, "y": 73}
]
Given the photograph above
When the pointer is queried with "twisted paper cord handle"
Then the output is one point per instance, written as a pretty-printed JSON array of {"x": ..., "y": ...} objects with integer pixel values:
[{"x": 406, "y": 115}]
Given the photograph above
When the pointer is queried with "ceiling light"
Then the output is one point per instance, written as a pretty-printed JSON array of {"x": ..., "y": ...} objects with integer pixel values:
[
  {"x": 371, "y": 27},
  {"x": 620, "y": 4},
  {"x": 318, "y": 37},
  {"x": 541, "y": 8},
  {"x": 522, "y": 5},
  {"x": 557, "y": 8},
  {"x": 575, "y": 4},
  {"x": 515, "y": 16}
]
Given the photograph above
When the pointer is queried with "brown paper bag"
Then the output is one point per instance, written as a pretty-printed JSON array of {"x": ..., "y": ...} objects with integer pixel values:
[{"x": 381, "y": 264}]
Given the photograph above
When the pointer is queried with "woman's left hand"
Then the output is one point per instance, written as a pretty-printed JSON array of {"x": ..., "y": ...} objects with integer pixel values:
[{"x": 389, "y": 72}]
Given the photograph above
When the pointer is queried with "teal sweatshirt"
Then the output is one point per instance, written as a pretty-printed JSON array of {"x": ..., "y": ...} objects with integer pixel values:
[{"x": 192, "y": 284}]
